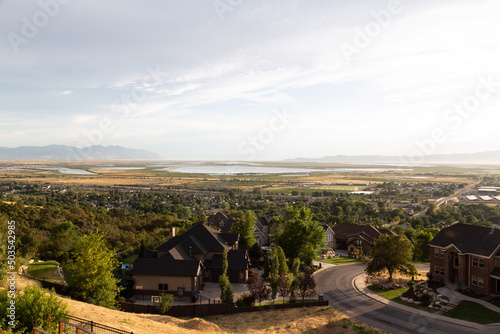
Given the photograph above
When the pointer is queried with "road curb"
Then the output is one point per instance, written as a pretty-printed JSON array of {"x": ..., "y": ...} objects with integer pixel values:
[{"x": 359, "y": 285}]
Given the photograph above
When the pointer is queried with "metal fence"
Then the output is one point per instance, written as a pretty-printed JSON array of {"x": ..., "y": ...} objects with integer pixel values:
[
  {"x": 95, "y": 327},
  {"x": 70, "y": 328}
]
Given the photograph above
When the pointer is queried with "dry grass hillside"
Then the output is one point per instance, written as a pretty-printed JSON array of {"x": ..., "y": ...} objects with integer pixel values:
[{"x": 306, "y": 320}]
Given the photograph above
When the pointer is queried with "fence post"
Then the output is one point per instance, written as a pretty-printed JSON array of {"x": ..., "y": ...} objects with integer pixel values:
[
  {"x": 61, "y": 327},
  {"x": 91, "y": 326}
]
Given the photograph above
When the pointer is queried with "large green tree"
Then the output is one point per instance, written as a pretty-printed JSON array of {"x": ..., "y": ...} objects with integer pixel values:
[
  {"x": 392, "y": 253},
  {"x": 3, "y": 247},
  {"x": 245, "y": 227},
  {"x": 422, "y": 248},
  {"x": 297, "y": 233},
  {"x": 89, "y": 268}
]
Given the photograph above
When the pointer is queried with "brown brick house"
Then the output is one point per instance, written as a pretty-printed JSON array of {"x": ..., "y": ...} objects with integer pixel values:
[
  {"x": 353, "y": 237},
  {"x": 468, "y": 255},
  {"x": 184, "y": 262}
]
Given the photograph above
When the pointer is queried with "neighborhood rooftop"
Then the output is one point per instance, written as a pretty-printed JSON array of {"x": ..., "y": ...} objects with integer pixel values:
[{"x": 469, "y": 239}]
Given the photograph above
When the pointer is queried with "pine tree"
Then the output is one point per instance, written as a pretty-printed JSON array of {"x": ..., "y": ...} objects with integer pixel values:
[{"x": 226, "y": 289}]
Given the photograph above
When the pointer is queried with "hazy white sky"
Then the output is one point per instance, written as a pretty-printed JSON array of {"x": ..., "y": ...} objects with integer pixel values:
[{"x": 252, "y": 80}]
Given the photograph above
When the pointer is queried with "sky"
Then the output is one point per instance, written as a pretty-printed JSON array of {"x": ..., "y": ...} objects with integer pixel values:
[{"x": 252, "y": 80}]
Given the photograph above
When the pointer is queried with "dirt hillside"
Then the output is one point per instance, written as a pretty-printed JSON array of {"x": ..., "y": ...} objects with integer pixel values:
[{"x": 304, "y": 320}]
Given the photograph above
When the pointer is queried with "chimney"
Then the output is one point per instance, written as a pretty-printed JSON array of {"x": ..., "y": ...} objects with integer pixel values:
[
  {"x": 493, "y": 227},
  {"x": 172, "y": 232}
]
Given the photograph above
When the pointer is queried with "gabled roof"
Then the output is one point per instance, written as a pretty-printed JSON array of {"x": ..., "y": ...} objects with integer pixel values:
[
  {"x": 343, "y": 231},
  {"x": 264, "y": 220},
  {"x": 166, "y": 265},
  {"x": 200, "y": 239},
  {"x": 469, "y": 239},
  {"x": 236, "y": 260}
]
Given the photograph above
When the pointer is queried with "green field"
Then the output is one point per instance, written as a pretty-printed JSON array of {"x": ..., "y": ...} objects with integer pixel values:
[{"x": 45, "y": 270}]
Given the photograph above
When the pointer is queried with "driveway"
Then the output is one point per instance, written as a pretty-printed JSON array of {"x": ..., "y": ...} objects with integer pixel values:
[{"x": 336, "y": 285}]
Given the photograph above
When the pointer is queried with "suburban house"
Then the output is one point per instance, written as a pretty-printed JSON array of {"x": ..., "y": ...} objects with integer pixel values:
[
  {"x": 468, "y": 255},
  {"x": 221, "y": 221},
  {"x": 186, "y": 261},
  {"x": 353, "y": 237},
  {"x": 329, "y": 235},
  {"x": 263, "y": 229}
]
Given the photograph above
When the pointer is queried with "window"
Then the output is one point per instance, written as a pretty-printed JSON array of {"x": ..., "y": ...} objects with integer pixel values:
[
  {"x": 359, "y": 242},
  {"x": 439, "y": 270},
  {"x": 480, "y": 281},
  {"x": 163, "y": 287},
  {"x": 438, "y": 252},
  {"x": 477, "y": 262},
  {"x": 474, "y": 280},
  {"x": 328, "y": 238},
  {"x": 456, "y": 259}
]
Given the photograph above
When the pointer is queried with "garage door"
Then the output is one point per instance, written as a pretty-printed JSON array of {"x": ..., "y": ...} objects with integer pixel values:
[
  {"x": 233, "y": 277},
  {"x": 215, "y": 276}
]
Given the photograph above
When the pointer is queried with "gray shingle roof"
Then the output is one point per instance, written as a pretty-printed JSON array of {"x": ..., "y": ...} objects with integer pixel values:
[
  {"x": 469, "y": 239},
  {"x": 200, "y": 237},
  {"x": 236, "y": 260},
  {"x": 166, "y": 266}
]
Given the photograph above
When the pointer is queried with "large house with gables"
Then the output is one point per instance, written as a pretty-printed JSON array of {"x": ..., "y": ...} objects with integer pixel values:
[
  {"x": 468, "y": 255},
  {"x": 356, "y": 238},
  {"x": 184, "y": 262}
]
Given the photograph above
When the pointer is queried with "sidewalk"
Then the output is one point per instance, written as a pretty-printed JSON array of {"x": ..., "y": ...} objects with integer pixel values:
[{"x": 360, "y": 285}]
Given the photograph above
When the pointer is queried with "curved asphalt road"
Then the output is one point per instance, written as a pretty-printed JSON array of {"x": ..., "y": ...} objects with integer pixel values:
[{"x": 336, "y": 285}]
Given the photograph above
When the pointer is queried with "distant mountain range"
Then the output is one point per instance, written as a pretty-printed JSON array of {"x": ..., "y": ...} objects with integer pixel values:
[
  {"x": 70, "y": 153},
  {"x": 480, "y": 158}
]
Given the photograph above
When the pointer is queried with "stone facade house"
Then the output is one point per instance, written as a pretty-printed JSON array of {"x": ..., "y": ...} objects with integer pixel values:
[
  {"x": 186, "y": 261},
  {"x": 468, "y": 255}
]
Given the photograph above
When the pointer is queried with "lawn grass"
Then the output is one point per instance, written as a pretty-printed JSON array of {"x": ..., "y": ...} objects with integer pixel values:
[
  {"x": 393, "y": 295},
  {"x": 130, "y": 259},
  {"x": 45, "y": 271},
  {"x": 340, "y": 260},
  {"x": 388, "y": 294},
  {"x": 280, "y": 301},
  {"x": 473, "y": 312}
]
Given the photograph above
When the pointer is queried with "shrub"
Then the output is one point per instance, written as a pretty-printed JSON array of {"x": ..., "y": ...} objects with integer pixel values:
[
  {"x": 34, "y": 308},
  {"x": 165, "y": 303},
  {"x": 247, "y": 299},
  {"x": 425, "y": 300}
]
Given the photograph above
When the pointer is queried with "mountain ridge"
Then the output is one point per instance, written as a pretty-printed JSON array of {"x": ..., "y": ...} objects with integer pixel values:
[
  {"x": 487, "y": 157},
  {"x": 70, "y": 153}
]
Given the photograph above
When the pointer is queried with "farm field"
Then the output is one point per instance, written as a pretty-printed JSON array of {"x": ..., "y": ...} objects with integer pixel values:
[{"x": 316, "y": 177}]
